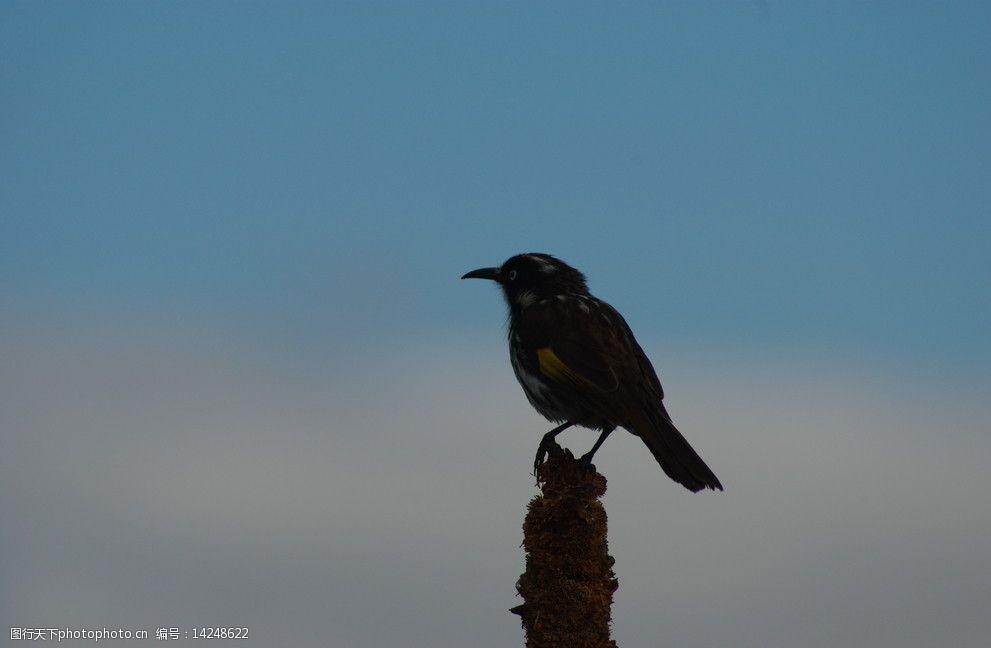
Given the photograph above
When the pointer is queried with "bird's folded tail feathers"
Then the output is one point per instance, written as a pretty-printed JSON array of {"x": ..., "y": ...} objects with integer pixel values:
[{"x": 677, "y": 458}]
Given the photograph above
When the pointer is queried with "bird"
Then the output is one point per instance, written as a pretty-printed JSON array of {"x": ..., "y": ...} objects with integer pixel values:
[{"x": 579, "y": 364}]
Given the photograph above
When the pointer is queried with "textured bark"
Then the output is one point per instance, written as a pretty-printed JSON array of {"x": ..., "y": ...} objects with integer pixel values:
[{"x": 568, "y": 584}]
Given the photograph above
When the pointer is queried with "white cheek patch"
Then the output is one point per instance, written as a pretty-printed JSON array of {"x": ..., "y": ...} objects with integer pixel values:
[{"x": 526, "y": 298}]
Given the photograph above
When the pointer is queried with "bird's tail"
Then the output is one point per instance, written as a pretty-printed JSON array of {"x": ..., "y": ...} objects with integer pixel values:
[{"x": 677, "y": 458}]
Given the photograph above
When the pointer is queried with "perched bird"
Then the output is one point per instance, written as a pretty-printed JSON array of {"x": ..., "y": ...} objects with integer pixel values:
[{"x": 579, "y": 364}]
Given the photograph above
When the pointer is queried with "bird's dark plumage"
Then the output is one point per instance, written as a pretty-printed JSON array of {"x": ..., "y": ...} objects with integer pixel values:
[{"x": 579, "y": 364}]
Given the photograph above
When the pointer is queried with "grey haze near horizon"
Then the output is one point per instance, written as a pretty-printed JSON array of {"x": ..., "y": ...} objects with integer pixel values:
[
  {"x": 164, "y": 479},
  {"x": 241, "y": 383}
]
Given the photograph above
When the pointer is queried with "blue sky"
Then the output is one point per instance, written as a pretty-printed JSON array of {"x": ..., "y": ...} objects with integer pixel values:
[
  {"x": 777, "y": 193},
  {"x": 806, "y": 176}
]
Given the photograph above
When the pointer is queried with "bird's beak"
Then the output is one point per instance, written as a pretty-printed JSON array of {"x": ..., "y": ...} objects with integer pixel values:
[{"x": 483, "y": 273}]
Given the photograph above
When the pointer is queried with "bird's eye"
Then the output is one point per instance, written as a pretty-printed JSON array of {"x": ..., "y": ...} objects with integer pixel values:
[{"x": 512, "y": 275}]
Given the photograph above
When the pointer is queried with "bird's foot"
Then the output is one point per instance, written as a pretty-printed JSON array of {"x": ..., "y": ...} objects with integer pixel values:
[
  {"x": 586, "y": 462},
  {"x": 542, "y": 451},
  {"x": 538, "y": 461}
]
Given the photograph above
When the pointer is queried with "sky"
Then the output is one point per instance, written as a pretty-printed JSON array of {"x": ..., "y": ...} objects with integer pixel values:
[{"x": 242, "y": 385}]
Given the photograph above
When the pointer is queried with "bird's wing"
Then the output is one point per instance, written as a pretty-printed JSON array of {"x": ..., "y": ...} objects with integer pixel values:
[
  {"x": 584, "y": 343},
  {"x": 591, "y": 351},
  {"x": 642, "y": 364}
]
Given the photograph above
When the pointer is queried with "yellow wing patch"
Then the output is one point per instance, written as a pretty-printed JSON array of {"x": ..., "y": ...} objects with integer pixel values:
[{"x": 554, "y": 368}]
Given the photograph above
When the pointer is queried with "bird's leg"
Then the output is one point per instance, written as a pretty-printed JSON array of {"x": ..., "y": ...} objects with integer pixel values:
[
  {"x": 546, "y": 442},
  {"x": 586, "y": 458}
]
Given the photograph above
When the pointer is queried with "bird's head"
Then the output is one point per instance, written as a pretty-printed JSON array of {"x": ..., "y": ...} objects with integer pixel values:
[{"x": 526, "y": 278}]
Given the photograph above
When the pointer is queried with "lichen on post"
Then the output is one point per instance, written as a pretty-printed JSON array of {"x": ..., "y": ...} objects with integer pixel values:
[{"x": 568, "y": 584}]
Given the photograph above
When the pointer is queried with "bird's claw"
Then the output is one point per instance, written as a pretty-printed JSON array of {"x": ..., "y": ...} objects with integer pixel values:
[
  {"x": 542, "y": 451},
  {"x": 586, "y": 462},
  {"x": 540, "y": 458}
]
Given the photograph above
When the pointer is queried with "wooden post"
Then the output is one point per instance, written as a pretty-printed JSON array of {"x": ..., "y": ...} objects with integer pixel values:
[{"x": 568, "y": 584}]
